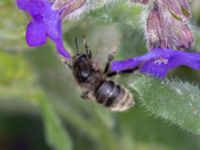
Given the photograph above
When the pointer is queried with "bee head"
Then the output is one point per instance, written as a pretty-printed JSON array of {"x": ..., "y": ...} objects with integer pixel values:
[
  {"x": 82, "y": 66},
  {"x": 80, "y": 57}
]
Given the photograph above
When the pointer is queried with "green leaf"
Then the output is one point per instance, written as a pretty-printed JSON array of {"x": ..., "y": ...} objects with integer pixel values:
[
  {"x": 196, "y": 34},
  {"x": 176, "y": 101},
  {"x": 56, "y": 135},
  {"x": 12, "y": 27},
  {"x": 17, "y": 80}
]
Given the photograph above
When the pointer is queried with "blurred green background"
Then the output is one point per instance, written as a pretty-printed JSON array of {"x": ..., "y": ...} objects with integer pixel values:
[{"x": 40, "y": 104}]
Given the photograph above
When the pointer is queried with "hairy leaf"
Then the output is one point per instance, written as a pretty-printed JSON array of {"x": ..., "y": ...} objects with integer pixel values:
[{"x": 176, "y": 101}]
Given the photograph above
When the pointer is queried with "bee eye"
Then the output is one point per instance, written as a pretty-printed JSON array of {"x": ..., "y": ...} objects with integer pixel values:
[
  {"x": 85, "y": 72},
  {"x": 81, "y": 58}
]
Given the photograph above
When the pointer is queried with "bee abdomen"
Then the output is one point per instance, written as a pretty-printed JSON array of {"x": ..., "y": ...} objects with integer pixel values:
[{"x": 114, "y": 96}]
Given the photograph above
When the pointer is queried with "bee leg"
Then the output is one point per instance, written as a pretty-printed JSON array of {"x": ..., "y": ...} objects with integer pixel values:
[
  {"x": 88, "y": 51},
  {"x": 67, "y": 64},
  {"x": 110, "y": 74},
  {"x": 70, "y": 66},
  {"x": 84, "y": 95},
  {"x": 110, "y": 59},
  {"x": 129, "y": 70}
]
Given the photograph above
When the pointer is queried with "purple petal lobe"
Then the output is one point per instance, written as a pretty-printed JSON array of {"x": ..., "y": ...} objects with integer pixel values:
[
  {"x": 61, "y": 49},
  {"x": 153, "y": 68},
  {"x": 158, "y": 62},
  {"x": 22, "y": 4},
  {"x": 185, "y": 58},
  {"x": 35, "y": 34}
]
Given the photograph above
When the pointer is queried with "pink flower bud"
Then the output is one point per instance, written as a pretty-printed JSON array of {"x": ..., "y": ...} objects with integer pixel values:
[
  {"x": 179, "y": 35},
  {"x": 140, "y": 1},
  {"x": 67, "y": 6},
  {"x": 179, "y": 9},
  {"x": 167, "y": 25},
  {"x": 185, "y": 8},
  {"x": 155, "y": 34}
]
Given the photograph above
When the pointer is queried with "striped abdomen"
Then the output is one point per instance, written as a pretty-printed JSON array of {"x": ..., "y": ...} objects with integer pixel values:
[{"x": 114, "y": 96}]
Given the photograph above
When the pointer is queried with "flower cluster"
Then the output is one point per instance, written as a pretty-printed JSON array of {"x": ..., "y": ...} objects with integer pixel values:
[
  {"x": 167, "y": 34},
  {"x": 45, "y": 22}
]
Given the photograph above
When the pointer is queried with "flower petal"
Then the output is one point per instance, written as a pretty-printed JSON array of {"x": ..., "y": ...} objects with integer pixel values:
[
  {"x": 61, "y": 49},
  {"x": 184, "y": 58},
  {"x": 22, "y": 4},
  {"x": 158, "y": 62},
  {"x": 35, "y": 34},
  {"x": 155, "y": 69},
  {"x": 53, "y": 26}
]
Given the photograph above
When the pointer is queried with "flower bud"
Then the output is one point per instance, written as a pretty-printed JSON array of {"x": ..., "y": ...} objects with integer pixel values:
[
  {"x": 155, "y": 34},
  {"x": 67, "y": 6},
  {"x": 179, "y": 9},
  {"x": 179, "y": 35},
  {"x": 167, "y": 25},
  {"x": 140, "y": 1}
]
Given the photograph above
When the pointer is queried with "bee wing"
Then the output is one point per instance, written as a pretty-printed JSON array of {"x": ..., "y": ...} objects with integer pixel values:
[
  {"x": 105, "y": 40},
  {"x": 104, "y": 51}
]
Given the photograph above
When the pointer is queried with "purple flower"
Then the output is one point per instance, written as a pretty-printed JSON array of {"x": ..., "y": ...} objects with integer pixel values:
[
  {"x": 45, "y": 22},
  {"x": 158, "y": 62}
]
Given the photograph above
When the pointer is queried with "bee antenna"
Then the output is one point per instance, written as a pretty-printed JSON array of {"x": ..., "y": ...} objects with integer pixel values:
[
  {"x": 85, "y": 42},
  {"x": 76, "y": 43}
]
